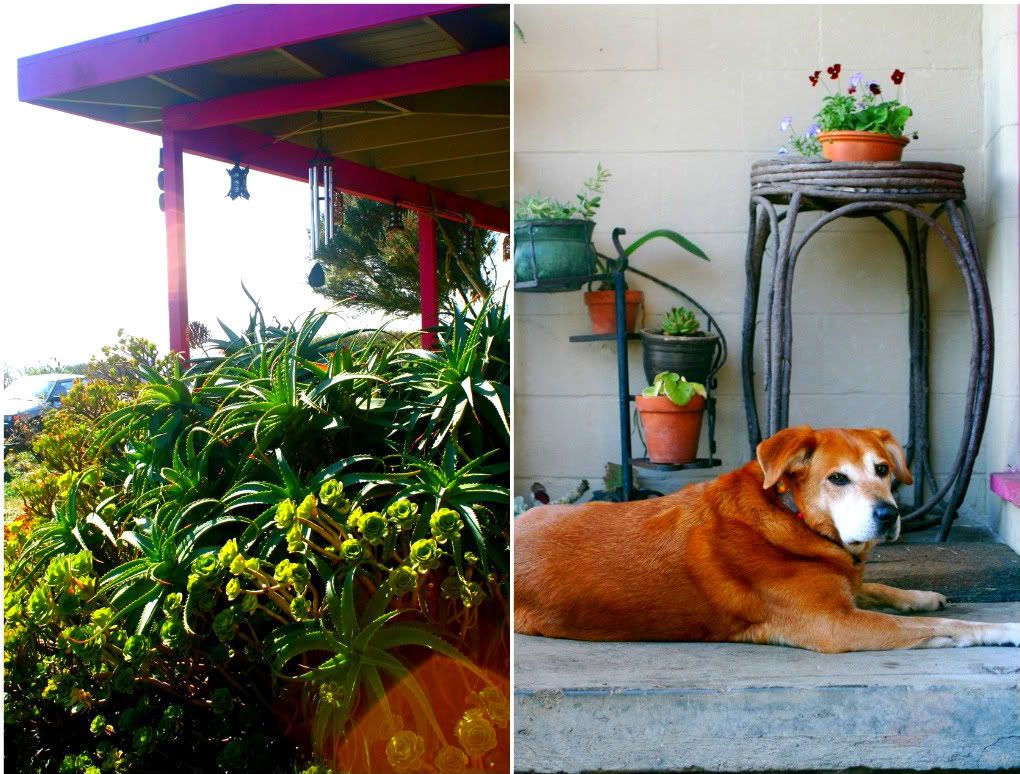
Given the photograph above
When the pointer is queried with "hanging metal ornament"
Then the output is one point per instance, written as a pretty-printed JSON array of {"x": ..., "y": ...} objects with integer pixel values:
[
  {"x": 317, "y": 276},
  {"x": 238, "y": 182},
  {"x": 323, "y": 205},
  {"x": 320, "y": 188},
  {"x": 396, "y": 222}
]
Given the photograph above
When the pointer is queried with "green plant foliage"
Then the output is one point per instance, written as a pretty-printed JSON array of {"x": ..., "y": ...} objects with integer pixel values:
[
  {"x": 371, "y": 266},
  {"x": 588, "y": 201},
  {"x": 680, "y": 321},
  {"x": 674, "y": 387},
  {"x": 293, "y": 523}
]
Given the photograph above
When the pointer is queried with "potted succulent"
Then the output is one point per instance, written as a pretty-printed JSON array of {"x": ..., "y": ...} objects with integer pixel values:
[
  {"x": 552, "y": 239},
  {"x": 680, "y": 346},
  {"x": 601, "y": 303},
  {"x": 856, "y": 124},
  {"x": 671, "y": 410}
]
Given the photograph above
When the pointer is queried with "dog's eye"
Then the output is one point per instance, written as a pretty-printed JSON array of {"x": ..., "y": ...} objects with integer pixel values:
[
  {"x": 881, "y": 470},
  {"x": 839, "y": 479}
]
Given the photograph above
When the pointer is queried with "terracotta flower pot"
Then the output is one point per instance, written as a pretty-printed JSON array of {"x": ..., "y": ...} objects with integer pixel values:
[
  {"x": 602, "y": 309},
  {"x": 861, "y": 146},
  {"x": 671, "y": 431}
]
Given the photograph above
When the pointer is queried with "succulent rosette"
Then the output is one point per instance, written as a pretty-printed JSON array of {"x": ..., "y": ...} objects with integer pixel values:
[
  {"x": 352, "y": 550},
  {"x": 445, "y": 524},
  {"x": 425, "y": 555},
  {"x": 373, "y": 527},
  {"x": 475, "y": 733},
  {"x": 404, "y": 513},
  {"x": 331, "y": 492},
  {"x": 228, "y": 552},
  {"x": 404, "y": 752},
  {"x": 451, "y": 760},
  {"x": 308, "y": 509},
  {"x": 402, "y": 580},
  {"x": 286, "y": 514}
]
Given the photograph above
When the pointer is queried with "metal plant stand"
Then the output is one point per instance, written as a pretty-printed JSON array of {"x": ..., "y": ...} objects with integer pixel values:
[
  {"x": 620, "y": 265},
  {"x": 923, "y": 192}
]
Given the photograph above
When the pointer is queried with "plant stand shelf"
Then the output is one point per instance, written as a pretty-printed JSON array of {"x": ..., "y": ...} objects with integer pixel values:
[
  {"x": 878, "y": 190},
  {"x": 626, "y": 491}
]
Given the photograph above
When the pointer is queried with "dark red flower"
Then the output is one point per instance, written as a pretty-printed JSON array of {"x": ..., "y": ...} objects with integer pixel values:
[
  {"x": 834, "y": 71},
  {"x": 852, "y": 90},
  {"x": 814, "y": 78},
  {"x": 897, "y": 76},
  {"x": 874, "y": 87}
]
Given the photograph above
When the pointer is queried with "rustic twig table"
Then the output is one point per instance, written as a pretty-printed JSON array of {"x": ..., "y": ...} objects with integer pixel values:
[{"x": 923, "y": 192}]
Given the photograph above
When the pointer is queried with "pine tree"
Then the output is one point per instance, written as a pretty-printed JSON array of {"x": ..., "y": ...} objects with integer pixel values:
[{"x": 370, "y": 267}]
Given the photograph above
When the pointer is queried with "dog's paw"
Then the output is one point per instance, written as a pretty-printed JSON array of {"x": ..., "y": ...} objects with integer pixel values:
[{"x": 925, "y": 601}]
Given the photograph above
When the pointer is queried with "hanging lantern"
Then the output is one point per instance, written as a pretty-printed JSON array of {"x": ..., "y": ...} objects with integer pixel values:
[
  {"x": 238, "y": 182},
  {"x": 396, "y": 222}
]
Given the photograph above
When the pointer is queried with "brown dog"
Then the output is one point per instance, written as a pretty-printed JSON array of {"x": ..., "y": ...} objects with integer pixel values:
[{"x": 769, "y": 553}]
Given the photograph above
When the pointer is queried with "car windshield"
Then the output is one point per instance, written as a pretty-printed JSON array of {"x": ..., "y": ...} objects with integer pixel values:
[{"x": 30, "y": 388}]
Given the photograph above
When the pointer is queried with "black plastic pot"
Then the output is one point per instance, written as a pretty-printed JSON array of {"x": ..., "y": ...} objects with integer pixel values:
[{"x": 689, "y": 356}]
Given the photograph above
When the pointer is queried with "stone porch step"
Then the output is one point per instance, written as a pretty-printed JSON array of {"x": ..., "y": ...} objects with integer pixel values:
[{"x": 650, "y": 707}]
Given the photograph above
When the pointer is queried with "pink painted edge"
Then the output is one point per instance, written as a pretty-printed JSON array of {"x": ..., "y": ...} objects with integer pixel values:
[
  {"x": 1006, "y": 485},
  {"x": 230, "y": 143},
  {"x": 221, "y": 33}
]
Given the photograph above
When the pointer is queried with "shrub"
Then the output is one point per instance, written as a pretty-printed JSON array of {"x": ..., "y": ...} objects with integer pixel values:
[{"x": 255, "y": 557}]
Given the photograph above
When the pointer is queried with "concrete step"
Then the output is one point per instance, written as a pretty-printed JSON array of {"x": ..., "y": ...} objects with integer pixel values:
[{"x": 650, "y": 707}]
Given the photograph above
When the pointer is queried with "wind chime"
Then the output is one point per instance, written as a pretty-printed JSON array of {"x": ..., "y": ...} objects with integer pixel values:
[{"x": 326, "y": 207}]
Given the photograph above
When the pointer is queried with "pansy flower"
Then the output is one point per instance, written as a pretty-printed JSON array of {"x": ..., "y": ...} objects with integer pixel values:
[
  {"x": 834, "y": 71},
  {"x": 814, "y": 78},
  {"x": 897, "y": 76},
  {"x": 874, "y": 88}
]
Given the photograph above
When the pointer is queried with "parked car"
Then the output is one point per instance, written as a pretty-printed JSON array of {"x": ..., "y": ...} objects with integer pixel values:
[{"x": 27, "y": 398}]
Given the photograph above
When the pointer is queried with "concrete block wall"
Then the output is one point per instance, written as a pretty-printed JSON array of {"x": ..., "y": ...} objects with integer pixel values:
[
  {"x": 999, "y": 142},
  {"x": 678, "y": 101}
]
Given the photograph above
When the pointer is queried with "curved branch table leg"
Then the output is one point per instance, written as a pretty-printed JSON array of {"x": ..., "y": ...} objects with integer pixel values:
[
  {"x": 980, "y": 387},
  {"x": 780, "y": 324},
  {"x": 757, "y": 238}
]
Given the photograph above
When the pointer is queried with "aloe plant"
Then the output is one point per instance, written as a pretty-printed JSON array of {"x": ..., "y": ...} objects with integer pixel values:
[{"x": 343, "y": 493}]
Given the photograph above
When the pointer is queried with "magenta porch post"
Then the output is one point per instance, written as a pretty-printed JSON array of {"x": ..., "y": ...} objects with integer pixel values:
[
  {"x": 428, "y": 267},
  {"x": 177, "y": 275}
]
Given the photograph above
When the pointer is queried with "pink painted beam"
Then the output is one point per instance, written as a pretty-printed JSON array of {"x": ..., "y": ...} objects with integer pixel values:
[
  {"x": 233, "y": 31},
  {"x": 1007, "y": 486},
  {"x": 492, "y": 64},
  {"x": 428, "y": 273},
  {"x": 259, "y": 151},
  {"x": 177, "y": 274}
]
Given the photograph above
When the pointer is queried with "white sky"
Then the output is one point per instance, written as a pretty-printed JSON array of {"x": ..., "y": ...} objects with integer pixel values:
[{"x": 83, "y": 238}]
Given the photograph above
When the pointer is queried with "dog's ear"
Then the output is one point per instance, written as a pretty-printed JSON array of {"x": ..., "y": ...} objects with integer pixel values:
[
  {"x": 786, "y": 451},
  {"x": 896, "y": 454}
]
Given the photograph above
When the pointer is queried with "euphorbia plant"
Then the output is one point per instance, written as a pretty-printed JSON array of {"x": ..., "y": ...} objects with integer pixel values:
[{"x": 860, "y": 107}]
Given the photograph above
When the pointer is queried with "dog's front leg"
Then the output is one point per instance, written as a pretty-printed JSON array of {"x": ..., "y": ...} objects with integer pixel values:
[
  {"x": 854, "y": 630},
  {"x": 880, "y": 595}
]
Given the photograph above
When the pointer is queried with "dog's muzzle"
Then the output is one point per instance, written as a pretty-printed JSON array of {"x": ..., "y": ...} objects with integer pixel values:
[{"x": 886, "y": 516}]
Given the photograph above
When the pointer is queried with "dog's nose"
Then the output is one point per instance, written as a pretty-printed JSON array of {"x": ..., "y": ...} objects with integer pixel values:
[{"x": 886, "y": 513}]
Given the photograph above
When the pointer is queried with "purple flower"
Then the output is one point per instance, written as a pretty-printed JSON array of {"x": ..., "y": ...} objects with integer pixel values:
[
  {"x": 855, "y": 80},
  {"x": 785, "y": 124},
  {"x": 812, "y": 131},
  {"x": 874, "y": 88}
]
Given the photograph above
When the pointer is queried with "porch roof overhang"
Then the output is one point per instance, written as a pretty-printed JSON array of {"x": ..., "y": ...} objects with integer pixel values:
[{"x": 413, "y": 101}]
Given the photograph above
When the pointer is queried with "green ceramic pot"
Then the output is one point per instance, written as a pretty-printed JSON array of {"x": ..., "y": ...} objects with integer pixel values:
[{"x": 553, "y": 255}]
